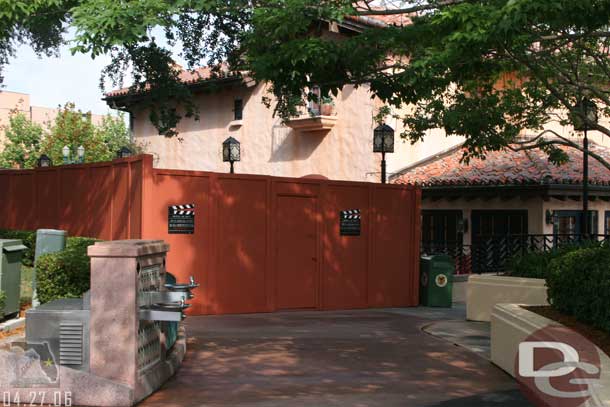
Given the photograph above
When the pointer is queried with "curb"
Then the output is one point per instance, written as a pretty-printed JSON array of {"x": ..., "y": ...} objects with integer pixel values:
[{"x": 12, "y": 324}]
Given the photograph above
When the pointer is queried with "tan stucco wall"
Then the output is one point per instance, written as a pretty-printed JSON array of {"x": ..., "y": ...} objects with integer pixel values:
[
  {"x": 10, "y": 101},
  {"x": 271, "y": 148},
  {"x": 511, "y": 324},
  {"x": 407, "y": 154},
  {"x": 483, "y": 292},
  {"x": 568, "y": 131},
  {"x": 268, "y": 146}
]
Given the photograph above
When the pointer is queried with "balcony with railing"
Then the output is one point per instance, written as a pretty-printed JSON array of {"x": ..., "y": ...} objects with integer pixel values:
[
  {"x": 491, "y": 254},
  {"x": 315, "y": 116}
]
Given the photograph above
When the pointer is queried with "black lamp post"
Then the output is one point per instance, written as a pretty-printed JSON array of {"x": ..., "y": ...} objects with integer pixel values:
[
  {"x": 383, "y": 142},
  {"x": 231, "y": 151},
  {"x": 124, "y": 152},
  {"x": 585, "y": 115},
  {"x": 44, "y": 161}
]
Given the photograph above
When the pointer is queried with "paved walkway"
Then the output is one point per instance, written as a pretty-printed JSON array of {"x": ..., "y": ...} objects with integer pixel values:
[
  {"x": 451, "y": 325},
  {"x": 347, "y": 358}
]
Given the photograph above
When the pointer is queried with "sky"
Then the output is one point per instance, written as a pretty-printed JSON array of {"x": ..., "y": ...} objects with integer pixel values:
[{"x": 53, "y": 81}]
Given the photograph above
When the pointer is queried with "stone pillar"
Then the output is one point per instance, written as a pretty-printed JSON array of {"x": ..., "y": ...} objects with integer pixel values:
[{"x": 115, "y": 267}]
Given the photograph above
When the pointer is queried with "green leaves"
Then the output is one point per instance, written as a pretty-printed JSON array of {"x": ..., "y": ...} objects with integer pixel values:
[
  {"x": 451, "y": 63},
  {"x": 103, "y": 24},
  {"x": 2, "y": 303},
  {"x": 22, "y": 144},
  {"x": 26, "y": 141},
  {"x": 579, "y": 285},
  {"x": 64, "y": 274},
  {"x": 74, "y": 128}
]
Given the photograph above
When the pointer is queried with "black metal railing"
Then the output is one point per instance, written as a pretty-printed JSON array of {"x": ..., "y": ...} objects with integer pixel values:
[{"x": 491, "y": 254}]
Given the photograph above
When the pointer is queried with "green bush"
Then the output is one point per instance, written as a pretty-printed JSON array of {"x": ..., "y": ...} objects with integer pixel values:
[
  {"x": 579, "y": 285},
  {"x": 2, "y": 303},
  {"x": 536, "y": 264},
  {"x": 29, "y": 240},
  {"x": 64, "y": 274}
]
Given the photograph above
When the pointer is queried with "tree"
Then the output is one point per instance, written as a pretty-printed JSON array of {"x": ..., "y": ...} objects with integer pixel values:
[
  {"x": 208, "y": 30},
  {"x": 74, "y": 128},
  {"x": 26, "y": 141},
  {"x": 22, "y": 142},
  {"x": 114, "y": 135},
  {"x": 485, "y": 69}
]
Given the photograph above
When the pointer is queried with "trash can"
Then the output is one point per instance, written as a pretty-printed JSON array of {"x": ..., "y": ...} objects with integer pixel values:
[
  {"x": 47, "y": 241},
  {"x": 436, "y": 282},
  {"x": 10, "y": 275}
]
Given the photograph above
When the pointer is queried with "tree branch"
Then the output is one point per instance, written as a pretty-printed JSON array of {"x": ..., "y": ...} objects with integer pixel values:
[
  {"x": 531, "y": 145},
  {"x": 556, "y": 93},
  {"x": 409, "y": 10},
  {"x": 596, "y": 34}
]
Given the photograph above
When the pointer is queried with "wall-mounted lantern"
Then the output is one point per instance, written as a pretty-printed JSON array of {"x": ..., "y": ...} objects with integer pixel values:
[
  {"x": 462, "y": 225},
  {"x": 231, "y": 151},
  {"x": 584, "y": 108},
  {"x": 44, "y": 161},
  {"x": 549, "y": 217},
  {"x": 124, "y": 152},
  {"x": 383, "y": 142}
]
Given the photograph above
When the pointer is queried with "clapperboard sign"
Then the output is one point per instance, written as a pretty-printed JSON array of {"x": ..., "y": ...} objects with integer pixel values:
[
  {"x": 349, "y": 222},
  {"x": 181, "y": 219}
]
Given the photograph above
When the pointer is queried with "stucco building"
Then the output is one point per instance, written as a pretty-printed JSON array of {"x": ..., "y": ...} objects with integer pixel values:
[
  {"x": 336, "y": 143},
  {"x": 519, "y": 194}
]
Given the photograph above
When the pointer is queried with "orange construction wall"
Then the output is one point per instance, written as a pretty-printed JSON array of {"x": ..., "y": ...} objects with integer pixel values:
[
  {"x": 263, "y": 244},
  {"x": 101, "y": 200},
  {"x": 260, "y": 244}
]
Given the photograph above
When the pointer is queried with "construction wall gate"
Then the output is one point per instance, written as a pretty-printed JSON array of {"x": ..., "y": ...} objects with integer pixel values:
[{"x": 255, "y": 243}]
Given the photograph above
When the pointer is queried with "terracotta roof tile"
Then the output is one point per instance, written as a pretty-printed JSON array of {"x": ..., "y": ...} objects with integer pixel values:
[
  {"x": 188, "y": 77},
  {"x": 506, "y": 167},
  {"x": 382, "y": 20}
]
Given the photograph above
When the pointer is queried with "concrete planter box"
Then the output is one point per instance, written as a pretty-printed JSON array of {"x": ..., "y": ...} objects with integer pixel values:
[
  {"x": 511, "y": 324},
  {"x": 485, "y": 291}
]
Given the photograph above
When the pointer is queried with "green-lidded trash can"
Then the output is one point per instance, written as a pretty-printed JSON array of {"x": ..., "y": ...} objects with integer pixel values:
[
  {"x": 47, "y": 241},
  {"x": 436, "y": 280},
  {"x": 10, "y": 275}
]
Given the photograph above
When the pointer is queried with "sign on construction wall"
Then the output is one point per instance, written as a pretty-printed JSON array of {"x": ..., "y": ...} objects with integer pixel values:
[
  {"x": 349, "y": 222},
  {"x": 181, "y": 219}
]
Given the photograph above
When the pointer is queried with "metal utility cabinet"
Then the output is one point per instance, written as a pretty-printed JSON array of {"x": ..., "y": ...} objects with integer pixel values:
[
  {"x": 10, "y": 275},
  {"x": 47, "y": 241},
  {"x": 436, "y": 281}
]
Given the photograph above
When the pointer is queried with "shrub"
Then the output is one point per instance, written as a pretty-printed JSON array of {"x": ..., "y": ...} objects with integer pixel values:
[
  {"x": 579, "y": 285},
  {"x": 64, "y": 274},
  {"x": 29, "y": 240},
  {"x": 2, "y": 303},
  {"x": 534, "y": 264}
]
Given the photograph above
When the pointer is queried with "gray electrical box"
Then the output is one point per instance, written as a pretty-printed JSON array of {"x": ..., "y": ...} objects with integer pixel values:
[
  {"x": 47, "y": 241},
  {"x": 62, "y": 326},
  {"x": 10, "y": 275}
]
